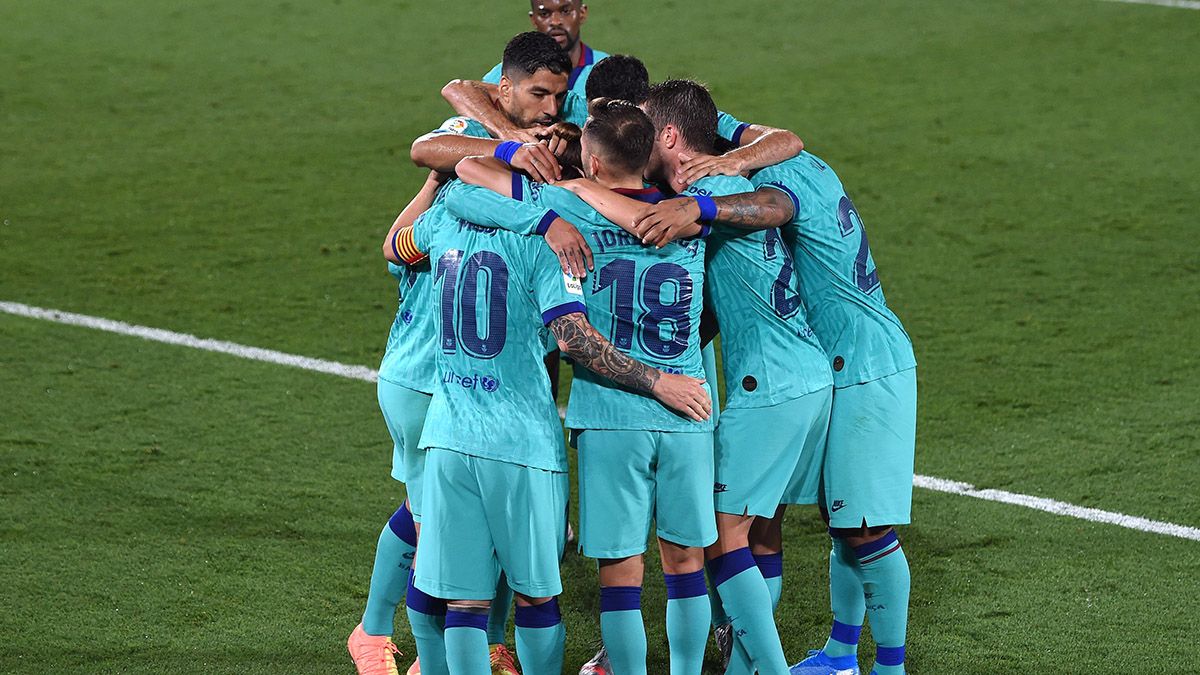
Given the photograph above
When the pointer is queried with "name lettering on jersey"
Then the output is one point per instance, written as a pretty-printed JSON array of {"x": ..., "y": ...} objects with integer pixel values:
[
  {"x": 487, "y": 383},
  {"x": 572, "y": 284},
  {"x": 468, "y": 225},
  {"x": 698, "y": 191},
  {"x": 607, "y": 239}
]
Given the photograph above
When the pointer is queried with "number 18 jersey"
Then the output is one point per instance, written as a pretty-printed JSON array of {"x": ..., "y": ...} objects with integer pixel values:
[{"x": 647, "y": 302}]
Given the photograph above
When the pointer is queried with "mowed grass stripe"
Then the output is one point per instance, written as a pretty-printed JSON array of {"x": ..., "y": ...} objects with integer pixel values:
[{"x": 366, "y": 374}]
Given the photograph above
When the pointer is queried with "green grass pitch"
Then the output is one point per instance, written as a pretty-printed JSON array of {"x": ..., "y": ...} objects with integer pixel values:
[{"x": 1026, "y": 168}]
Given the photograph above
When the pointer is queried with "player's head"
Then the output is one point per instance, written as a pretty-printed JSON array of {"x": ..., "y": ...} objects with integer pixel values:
[
  {"x": 685, "y": 122},
  {"x": 621, "y": 77},
  {"x": 617, "y": 140},
  {"x": 560, "y": 19},
  {"x": 534, "y": 80}
]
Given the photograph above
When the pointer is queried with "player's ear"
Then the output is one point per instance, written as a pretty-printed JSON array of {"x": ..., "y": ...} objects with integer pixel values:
[
  {"x": 582, "y": 13},
  {"x": 669, "y": 135},
  {"x": 505, "y": 88}
]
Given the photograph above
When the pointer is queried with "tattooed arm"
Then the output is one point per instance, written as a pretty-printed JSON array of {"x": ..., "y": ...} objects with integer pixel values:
[
  {"x": 675, "y": 218},
  {"x": 586, "y": 346}
]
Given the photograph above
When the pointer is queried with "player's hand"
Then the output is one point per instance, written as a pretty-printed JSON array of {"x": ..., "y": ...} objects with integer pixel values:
[
  {"x": 531, "y": 135},
  {"x": 686, "y": 395},
  {"x": 536, "y": 160},
  {"x": 572, "y": 249},
  {"x": 667, "y": 221},
  {"x": 692, "y": 169}
]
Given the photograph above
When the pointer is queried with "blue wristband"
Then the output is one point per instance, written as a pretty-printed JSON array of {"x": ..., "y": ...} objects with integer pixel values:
[
  {"x": 505, "y": 151},
  {"x": 708, "y": 208}
]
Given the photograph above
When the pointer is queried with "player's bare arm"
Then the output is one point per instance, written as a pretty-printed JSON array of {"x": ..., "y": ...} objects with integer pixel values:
[
  {"x": 678, "y": 218},
  {"x": 443, "y": 152},
  {"x": 574, "y": 254},
  {"x": 419, "y": 204},
  {"x": 621, "y": 210},
  {"x": 477, "y": 100},
  {"x": 586, "y": 346},
  {"x": 760, "y": 147}
]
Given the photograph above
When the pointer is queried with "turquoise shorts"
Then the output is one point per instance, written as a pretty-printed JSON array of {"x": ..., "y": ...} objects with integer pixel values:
[
  {"x": 486, "y": 516},
  {"x": 628, "y": 478},
  {"x": 869, "y": 458},
  {"x": 404, "y": 413},
  {"x": 772, "y": 455}
]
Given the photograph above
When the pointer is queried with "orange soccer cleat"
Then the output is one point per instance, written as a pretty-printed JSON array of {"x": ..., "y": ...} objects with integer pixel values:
[
  {"x": 372, "y": 654},
  {"x": 502, "y": 661}
]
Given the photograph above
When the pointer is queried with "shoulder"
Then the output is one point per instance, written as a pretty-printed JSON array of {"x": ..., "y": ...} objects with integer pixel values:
[{"x": 462, "y": 126}]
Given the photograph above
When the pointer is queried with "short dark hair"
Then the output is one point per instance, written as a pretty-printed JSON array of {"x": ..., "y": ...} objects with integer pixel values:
[
  {"x": 530, "y": 52},
  {"x": 687, "y": 106},
  {"x": 621, "y": 77},
  {"x": 624, "y": 134}
]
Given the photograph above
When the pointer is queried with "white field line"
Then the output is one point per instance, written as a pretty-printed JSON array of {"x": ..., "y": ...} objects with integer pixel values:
[
  {"x": 1177, "y": 4},
  {"x": 368, "y": 375}
]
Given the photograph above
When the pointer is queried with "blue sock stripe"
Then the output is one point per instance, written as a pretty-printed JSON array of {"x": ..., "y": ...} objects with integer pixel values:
[
  {"x": 690, "y": 585},
  {"x": 402, "y": 525},
  {"x": 620, "y": 598},
  {"x": 845, "y": 633},
  {"x": 879, "y": 544},
  {"x": 460, "y": 619},
  {"x": 889, "y": 656},
  {"x": 730, "y": 565},
  {"x": 879, "y": 554},
  {"x": 544, "y": 615},
  {"x": 771, "y": 565},
  {"x": 420, "y": 601}
]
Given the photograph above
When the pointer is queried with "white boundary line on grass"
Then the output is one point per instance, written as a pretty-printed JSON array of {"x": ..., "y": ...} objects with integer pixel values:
[
  {"x": 1177, "y": 4},
  {"x": 368, "y": 375}
]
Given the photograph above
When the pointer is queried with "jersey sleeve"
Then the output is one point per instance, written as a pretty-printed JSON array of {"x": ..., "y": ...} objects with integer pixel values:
[
  {"x": 462, "y": 126},
  {"x": 730, "y": 128},
  {"x": 555, "y": 292},
  {"x": 493, "y": 75},
  {"x": 481, "y": 206}
]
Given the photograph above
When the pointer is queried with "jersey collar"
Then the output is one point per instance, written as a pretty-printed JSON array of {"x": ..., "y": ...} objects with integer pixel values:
[{"x": 650, "y": 195}]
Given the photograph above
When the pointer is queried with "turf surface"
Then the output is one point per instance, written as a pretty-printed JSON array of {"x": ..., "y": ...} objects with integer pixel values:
[{"x": 1026, "y": 170}]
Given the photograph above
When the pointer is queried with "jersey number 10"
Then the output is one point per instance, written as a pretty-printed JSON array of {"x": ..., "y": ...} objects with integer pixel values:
[{"x": 464, "y": 309}]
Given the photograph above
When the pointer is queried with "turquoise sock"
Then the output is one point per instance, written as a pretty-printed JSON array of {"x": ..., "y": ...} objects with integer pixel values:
[
  {"x": 427, "y": 618},
  {"x": 622, "y": 629},
  {"x": 497, "y": 628},
  {"x": 718, "y": 610},
  {"x": 845, "y": 600},
  {"x": 389, "y": 578},
  {"x": 541, "y": 638},
  {"x": 466, "y": 643},
  {"x": 885, "y": 588},
  {"x": 748, "y": 603},
  {"x": 689, "y": 615},
  {"x": 771, "y": 567}
]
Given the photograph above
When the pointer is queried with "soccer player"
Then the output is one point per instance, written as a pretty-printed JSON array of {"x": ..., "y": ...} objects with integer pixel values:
[
  {"x": 773, "y": 427},
  {"x": 662, "y": 462},
  {"x": 405, "y": 387},
  {"x": 563, "y": 21},
  {"x": 495, "y": 448},
  {"x": 872, "y": 435}
]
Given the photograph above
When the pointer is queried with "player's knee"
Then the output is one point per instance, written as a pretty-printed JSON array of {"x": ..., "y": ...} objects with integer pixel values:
[
  {"x": 622, "y": 571},
  {"x": 678, "y": 559},
  {"x": 526, "y": 601},
  {"x": 861, "y": 536},
  {"x": 469, "y": 605}
]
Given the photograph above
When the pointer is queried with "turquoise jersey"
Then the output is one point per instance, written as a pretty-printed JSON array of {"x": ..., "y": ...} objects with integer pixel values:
[
  {"x": 644, "y": 300},
  {"x": 588, "y": 57},
  {"x": 730, "y": 128},
  {"x": 769, "y": 354},
  {"x": 496, "y": 291},
  {"x": 839, "y": 283},
  {"x": 408, "y": 358}
]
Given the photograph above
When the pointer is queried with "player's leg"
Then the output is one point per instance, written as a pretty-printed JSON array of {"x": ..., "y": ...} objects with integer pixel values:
[
  {"x": 621, "y": 625},
  {"x": 869, "y": 471},
  {"x": 457, "y": 560},
  {"x": 404, "y": 414},
  {"x": 688, "y": 610},
  {"x": 526, "y": 516},
  {"x": 427, "y": 620},
  {"x": 766, "y": 543},
  {"x": 497, "y": 629},
  {"x": 616, "y": 502},
  {"x": 685, "y": 524}
]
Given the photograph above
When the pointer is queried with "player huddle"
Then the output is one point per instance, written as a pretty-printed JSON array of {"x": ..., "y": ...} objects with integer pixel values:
[{"x": 630, "y": 245}]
